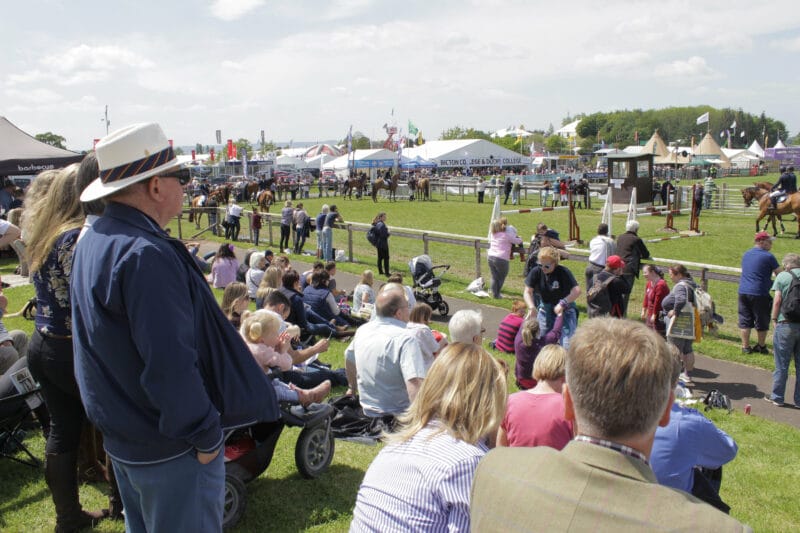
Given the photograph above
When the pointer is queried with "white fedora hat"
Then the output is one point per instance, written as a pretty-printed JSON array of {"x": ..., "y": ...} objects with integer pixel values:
[{"x": 127, "y": 156}]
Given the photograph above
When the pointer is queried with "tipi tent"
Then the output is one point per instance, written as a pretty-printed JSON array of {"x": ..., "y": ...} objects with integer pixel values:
[
  {"x": 22, "y": 154},
  {"x": 655, "y": 146},
  {"x": 709, "y": 149}
]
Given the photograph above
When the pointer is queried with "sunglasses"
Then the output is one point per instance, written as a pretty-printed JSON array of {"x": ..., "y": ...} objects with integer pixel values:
[
  {"x": 548, "y": 266},
  {"x": 183, "y": 176}
]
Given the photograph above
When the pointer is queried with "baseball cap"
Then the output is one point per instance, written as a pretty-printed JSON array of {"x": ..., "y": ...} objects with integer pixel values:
[
  {"x": 615, "y": 261},
  {"x": 764, "y": 236}
]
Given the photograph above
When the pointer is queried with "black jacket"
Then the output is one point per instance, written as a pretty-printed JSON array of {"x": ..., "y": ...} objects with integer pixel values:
[{"x": 632, "y": 250}]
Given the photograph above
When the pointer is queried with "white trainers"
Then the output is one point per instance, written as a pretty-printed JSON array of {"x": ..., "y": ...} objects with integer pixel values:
[{"x": 685, "y": 378}]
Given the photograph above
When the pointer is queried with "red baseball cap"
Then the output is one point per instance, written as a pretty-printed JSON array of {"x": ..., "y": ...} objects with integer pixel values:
[
  {"x": 615, "y": 261},
  {"x": 764, "y": 236}
]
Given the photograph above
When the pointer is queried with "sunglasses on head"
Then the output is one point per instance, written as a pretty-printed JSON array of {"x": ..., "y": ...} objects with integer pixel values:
[{"x": 183, "y": 176}]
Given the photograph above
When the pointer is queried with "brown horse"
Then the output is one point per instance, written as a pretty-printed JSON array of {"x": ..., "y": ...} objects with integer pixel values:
[
  {"x": 424, "y": 189},
  {"x": 196, "y": 210},
  {"x": 391, "y": 186},
  {"x": 357, "y": 184},
  {"x": 751, "y": 194},
  {"x": 790, "y": 205},
  {"x": 265, "y": 200},
  {"x": 251, "y": 191}
]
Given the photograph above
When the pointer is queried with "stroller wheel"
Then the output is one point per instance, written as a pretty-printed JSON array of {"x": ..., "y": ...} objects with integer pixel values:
[
  {"x": 313, "y": 452},
  {"x": 235, "y": 501},
  {"x": 444, "y": 309}
]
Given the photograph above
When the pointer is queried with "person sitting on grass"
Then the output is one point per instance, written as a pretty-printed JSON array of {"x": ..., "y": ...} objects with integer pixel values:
[
  {"x": 261, "y": 332},
  {"x": 528, "y": 344},
  {"x": 509, "y": 326},
  {"x": 420, "y": 481},
  {"x": 535, "y": 417},
  {"x": 234, "y": 302},
  {"x": 419, "y": 326}
]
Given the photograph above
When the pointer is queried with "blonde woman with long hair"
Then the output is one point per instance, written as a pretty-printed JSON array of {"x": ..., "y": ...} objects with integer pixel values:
[
  {"x": 52, "y": 226},
  {"x": 421, "y": 479}
]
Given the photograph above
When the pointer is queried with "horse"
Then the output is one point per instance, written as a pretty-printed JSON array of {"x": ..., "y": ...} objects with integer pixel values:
[
  {"x": 751, "y": 194},
  {"x": 251, "y": 191},
  {"x": 790, "y": 205},
  {"x": 424, "y": 189},
  {"x": 265, "y": 200},
  {"x": 391, "y": 186},
  {"x": 354, "y": 183},
  {"x": 196, "y": 210}
]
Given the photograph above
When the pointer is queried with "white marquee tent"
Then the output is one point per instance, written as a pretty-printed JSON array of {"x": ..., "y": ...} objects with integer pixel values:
[{"x": 467, "y": 153}]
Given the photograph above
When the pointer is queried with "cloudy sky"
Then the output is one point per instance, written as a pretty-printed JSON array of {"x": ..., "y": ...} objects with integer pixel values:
[{"x": 307, "y": 70}]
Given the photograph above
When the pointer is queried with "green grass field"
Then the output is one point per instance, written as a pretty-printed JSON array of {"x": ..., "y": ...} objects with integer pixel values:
[{"x": 757, "y": 484}]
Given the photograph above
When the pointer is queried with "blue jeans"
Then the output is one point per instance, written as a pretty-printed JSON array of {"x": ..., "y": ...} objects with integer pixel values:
[
  {"x": 176, "y": 495},
  {"x": 327, "y": 243},
  {"x": 786, "y": 345},
  {"x": 547, "y": 318}
]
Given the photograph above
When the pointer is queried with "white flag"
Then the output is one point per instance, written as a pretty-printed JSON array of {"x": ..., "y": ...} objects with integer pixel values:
[
  {"x": 495, "y": 214},
  {"x": 632, "y": 206},
  {"x": 733, "y": 125},
  {"x": 722, "y": 133},
  {"x": 742, "y": 134},
  {"x": 702, "y": 118},
  {"x": 608, "y": 211}
]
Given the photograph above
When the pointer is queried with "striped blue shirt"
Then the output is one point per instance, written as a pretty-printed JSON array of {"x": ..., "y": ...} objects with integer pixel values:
[{"x": 422, "y": 484}]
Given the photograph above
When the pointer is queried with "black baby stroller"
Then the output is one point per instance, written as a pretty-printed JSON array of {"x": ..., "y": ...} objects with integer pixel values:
[
  {"x": 426, "y": 283},
  {"x": 248, "y": 452}
]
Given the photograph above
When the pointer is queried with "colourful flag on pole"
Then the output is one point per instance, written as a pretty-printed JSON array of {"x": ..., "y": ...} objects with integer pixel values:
[
  {"x": 702, "y": 118},
  {"x": 350, "y": 139},
  {"x": 412, "y": 129}
]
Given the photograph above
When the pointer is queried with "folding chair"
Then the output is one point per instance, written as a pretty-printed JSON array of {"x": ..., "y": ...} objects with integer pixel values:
[{"x": 15, "y": 413}]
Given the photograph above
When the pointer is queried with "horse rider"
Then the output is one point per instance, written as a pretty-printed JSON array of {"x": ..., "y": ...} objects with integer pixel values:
[{"x": 787, "y": 184}]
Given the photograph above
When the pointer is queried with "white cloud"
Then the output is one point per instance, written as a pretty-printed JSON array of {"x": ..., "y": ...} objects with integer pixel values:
[
  {"x": 613, "y": 62},
  {"x": 229, "y": 10},
  {"x": 232, "y": 65},
  {"x": 98, "y": 58},
  {"x": 695, "y": 67},
  {"x": 786, "y": 45},
  {"x": 35, "y": 96}
]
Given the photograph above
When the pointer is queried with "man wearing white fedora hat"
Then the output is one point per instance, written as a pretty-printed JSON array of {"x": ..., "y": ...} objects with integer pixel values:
[{"x": 160, "y": 370}]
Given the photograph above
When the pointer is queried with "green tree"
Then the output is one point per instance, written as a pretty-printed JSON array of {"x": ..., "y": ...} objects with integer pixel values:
[
  {"x": 556, "y": 144},
  {"x": 459, "y": 132},
  {"x": 52, "y": 139},
  {"x": 243, "y": 144},
  {"x": 178, "y": 151}
]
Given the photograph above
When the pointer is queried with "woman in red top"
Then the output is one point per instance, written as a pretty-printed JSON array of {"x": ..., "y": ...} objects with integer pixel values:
[{"x": 655, "y": 291}]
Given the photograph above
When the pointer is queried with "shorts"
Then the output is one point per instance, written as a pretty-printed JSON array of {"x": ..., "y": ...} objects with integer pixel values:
[
  {"x": 754, "y": 312},
  {"x": 684, "y": 346}
]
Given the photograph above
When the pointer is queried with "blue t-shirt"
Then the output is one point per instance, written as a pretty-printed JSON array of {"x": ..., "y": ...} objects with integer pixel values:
[{"x": 757, "y": 267}]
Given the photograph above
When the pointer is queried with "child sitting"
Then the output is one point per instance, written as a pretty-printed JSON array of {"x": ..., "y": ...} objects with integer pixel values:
[
  {"x": 419, "y": 327},
  {"x": 261, "y": 332},
  {"x": 507, "y": 330}
]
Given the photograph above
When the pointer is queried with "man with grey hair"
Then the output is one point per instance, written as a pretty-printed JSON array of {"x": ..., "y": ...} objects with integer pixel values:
[
  {"x": 466, "y": 326},
  {"x": 384, "y": 363},
  {"x": 618, "y": 390},
  {"x": 632, "y": 250},
  {"x": 786, "y": 337}
]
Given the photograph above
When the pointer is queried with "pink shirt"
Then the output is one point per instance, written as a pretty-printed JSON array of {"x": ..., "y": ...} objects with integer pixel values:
[
  {"x": 500, "y": 244},
  {"x": 223, "y": 272},
  {"x": 267, "y": 357},
  {"x": 536, "y": 420}
]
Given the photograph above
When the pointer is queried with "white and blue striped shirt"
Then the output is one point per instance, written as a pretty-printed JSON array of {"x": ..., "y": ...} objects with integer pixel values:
[{"x": 422, "y": 484}]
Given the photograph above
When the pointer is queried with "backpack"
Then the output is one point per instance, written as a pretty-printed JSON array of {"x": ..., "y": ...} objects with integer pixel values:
[
  {"x": 372, "y": 236},
  {"x": 716, "y": 400},
  {"x": 790, "y": 303},
  {"x": 598, "y": 302}
]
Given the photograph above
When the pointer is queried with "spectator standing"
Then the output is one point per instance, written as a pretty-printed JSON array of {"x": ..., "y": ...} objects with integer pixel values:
[
  {"x": 535, "y": 417},
  {"x": 300, "y": 221},
  {"x": 319, "y": 224},
  {"x": 481, "y": 188},
  {"x": 234, "y": 221},
  {"x": 632, "y": 250},
  {"x": 602, "y": 479},
  {"x": 331, "y": 218},
  {"x": 610, "y": 298},
  {"x": 655, "y": 291},
  {"x": 557, "y": 290},
  {"x": 162, "y": 417},
  {"x": 507, "y": 186},
  {"x": 683, "y": 287},
  {"x": 601, "y": 247},
  {"x": 755, "y": 302},
  {"x": 286, "y": 226},
  {"x": 382, "y": 243},
  {"x": 786, "y": 338},
  {"x": 515, "y": 190},
  {"x": 710, "y": 187},
  {"x": 255, "y": 225},
  {"x": 500, "y": 243}
]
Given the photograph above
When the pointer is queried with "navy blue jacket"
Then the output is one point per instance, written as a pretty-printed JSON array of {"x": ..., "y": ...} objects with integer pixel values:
[{"x": 160, "y": 369}]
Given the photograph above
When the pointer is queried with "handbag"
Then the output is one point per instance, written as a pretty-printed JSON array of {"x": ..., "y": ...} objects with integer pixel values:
[{"x": 681, "y": 325}]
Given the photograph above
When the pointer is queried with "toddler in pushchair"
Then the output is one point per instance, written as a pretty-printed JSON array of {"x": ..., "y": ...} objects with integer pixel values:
[{"x": 427, "y": 282}]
